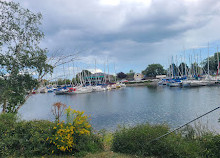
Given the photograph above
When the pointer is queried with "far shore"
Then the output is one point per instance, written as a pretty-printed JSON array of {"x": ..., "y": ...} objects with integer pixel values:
[{"x": 153, "y": 82}]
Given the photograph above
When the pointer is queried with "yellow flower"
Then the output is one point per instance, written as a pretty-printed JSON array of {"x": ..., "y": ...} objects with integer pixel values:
[{"x": 62, "y": 148}]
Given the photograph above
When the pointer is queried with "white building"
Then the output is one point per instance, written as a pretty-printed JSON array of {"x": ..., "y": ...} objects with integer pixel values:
[
  {"x": 160, "y": 76},
  {"x": 138, "y": 77}
]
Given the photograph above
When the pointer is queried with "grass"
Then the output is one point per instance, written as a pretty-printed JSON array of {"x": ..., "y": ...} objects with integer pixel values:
[
  {"x": 109, "y": 154},
  {"x": 105, "y": 154}
]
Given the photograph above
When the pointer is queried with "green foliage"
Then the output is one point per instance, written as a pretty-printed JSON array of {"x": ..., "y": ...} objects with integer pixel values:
[
  {"x": 121, "y": 75},
  {"x": 183, "y": 68},
  {"x": 153, "y": 69},
  {"x": 130, "y": 75},
  {"x": 187, "y": 143},
  {"x": 74, "y": 136},
  {"x": 211, "y": 145},
  {"x": 23, "y": 138},
  {"x": 92, "y": 143},
  {"x": 14, "y": 89},
  {"x": 83, "y": 74},
  {"x": 213, "y": 63},
  {"x": 63, "y": 81},
  {"x": 135, "y": 140},
  {"x": 19, "y": 54},
  {"x": 30, "y": 138}
]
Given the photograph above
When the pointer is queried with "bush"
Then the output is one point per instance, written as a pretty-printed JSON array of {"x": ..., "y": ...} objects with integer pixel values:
[
  {"x": 211, "y": 145},
  {"x": 30, "y": 138},
  {"x": 137, "y": 141},
  {"x": 92, "y": 143},
  {"x": 75, "y": 136},
  {"x": 175, "y": 145},
  {"x": 23, "y": 138}
]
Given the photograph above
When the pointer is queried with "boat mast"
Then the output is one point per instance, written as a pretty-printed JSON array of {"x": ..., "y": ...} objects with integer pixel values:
[
  {"x": 115, "y": 73},
  {"x": 108, "y": 72},
  {"x": 208, "y": 59},
  {"x": 104, "y": 74},
  {"x": 181, "y": 66},
  {"x": 185, "y": 62},
  {"x": 218, "y": 63},
  {"x": 64, "y": 75},
  {"x": 95, "y": 74},
  {"x": 200, "y": 71},
  {"x": 172, "y": 67}
]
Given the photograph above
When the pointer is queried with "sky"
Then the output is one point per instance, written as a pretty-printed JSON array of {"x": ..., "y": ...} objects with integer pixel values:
[{"x": 128, "y": 34}]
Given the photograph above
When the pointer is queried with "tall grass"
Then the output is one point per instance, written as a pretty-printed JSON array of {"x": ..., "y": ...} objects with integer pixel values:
[{"x": 189, "y": 142}]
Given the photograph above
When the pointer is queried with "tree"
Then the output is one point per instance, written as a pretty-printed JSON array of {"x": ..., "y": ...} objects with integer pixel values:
[
  {"x": 121, "y": 75},
  {"x": 83, "y": 73},
  {"x": 154, "y": 69},
  {"x": 130, "y": 75},
  {"x": 183, "y": 68},
  {"x": 173, "y": 70},
  {"x": 213, "y": 63},
  {"x": 20, "y": 55}
]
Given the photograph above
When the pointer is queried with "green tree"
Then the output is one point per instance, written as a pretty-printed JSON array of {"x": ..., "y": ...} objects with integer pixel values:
[
  {"x": 154, "y": 69},
  {"x": 83, "y": 73},
  {"x": 213, "y": 63},
  {"x": 20, "y": 55},
  {"x": 173, "y": 70},
  {"x": 183, "y": 68},
  {"x": 121, "y": 75},
  {"x": 130, "y": 75}
]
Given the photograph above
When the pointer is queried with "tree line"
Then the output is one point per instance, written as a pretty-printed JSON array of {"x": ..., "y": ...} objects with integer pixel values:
[{"x": 194, "y": 69}]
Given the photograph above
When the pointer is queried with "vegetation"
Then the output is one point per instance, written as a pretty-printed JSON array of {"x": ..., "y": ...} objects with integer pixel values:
[
  {"x": 183, "y": 69},
  {"x": 76, "y": 137},
  {"x": 20, "y": 54},
  {"x": 154, "y": 69},
  {"x": 213, "y": 63},
  {"x": 39, "y": 138},
  {"x": 140, "y": 141},
  {"x": 130, "y": 75},
  {"x": 121, "y": 75},
  {"x": 83, "y": 73},
  {"x": 23, "y": 138}
]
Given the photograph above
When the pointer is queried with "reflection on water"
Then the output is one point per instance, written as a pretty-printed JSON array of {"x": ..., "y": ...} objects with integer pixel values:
[{"x": 133, "y": 105}]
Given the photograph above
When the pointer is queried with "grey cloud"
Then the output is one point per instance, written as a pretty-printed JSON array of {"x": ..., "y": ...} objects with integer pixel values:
[{"x": 129, "y": 32}]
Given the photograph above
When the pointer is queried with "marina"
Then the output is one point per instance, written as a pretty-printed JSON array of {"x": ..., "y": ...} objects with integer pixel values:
[{"x": 133, "y": 105}]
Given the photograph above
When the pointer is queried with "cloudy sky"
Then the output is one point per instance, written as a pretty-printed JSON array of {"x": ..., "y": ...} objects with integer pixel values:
[{"x": 128, "y": 33}]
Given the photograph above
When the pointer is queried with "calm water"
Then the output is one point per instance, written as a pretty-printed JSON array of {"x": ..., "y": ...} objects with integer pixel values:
[{"x": 133, "y": 105}]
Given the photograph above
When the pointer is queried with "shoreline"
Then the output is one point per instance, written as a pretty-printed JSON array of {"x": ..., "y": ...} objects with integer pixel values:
[{"x": 144, "y": 83}]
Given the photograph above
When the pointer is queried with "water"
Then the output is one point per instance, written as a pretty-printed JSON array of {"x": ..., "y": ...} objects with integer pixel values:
[{"x": 133, "y": 105}]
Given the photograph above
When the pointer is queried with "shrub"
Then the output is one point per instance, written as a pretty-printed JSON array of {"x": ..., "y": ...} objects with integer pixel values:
[
  {"x": 138, "y": 141},
  {"x": 175, "y": 145},
  {"x": 211, "y": 145},
  {"x": 23, "y": 138},
  {"x": 37, "y": 138},
  {"x": 75, "y": 135}
]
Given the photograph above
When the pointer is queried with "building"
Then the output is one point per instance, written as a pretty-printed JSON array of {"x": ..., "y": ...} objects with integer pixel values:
[
  {"x": 161, "y": 76},
  {"x": 138, "y": 77},
  {"x": 99, "y": 78}
]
